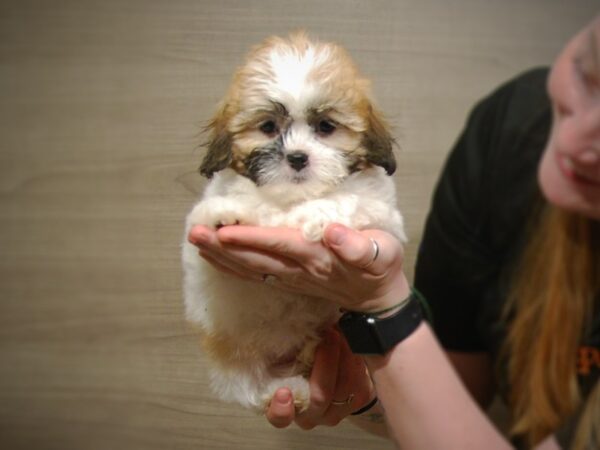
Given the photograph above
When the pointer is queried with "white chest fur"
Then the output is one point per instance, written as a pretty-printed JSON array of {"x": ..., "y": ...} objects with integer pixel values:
[{"x": 250, "y": 330}]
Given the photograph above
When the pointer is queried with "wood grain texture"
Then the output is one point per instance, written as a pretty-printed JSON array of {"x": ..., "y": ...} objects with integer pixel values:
[{"x": 102, "y": 107}]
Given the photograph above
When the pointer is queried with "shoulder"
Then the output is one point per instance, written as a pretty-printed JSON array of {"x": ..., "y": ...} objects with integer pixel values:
[
  {"x": 520, "y": 95},
  {"x": 490, "y": 175},
  {"x": 514, "y": 110}
]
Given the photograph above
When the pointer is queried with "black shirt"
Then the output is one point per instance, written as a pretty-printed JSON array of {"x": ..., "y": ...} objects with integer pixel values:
[{"x": 483, "y": 202}]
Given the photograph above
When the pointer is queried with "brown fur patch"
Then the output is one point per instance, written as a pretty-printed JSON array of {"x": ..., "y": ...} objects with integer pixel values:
[
  {"x": 225, "y": 351},
  {"x": 231, "y": 354},
  {"x": 219, "y": 144},
  {"x": 378, "y": 142}
]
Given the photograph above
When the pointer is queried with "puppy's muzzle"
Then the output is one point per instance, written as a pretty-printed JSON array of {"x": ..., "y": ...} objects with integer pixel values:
[{"x": 297, "y": 160}]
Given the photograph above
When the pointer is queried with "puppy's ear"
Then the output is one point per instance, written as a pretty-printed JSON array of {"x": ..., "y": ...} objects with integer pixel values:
[
  {"x": 218, "y": 155},
  {"x": 378, "y": 142}
]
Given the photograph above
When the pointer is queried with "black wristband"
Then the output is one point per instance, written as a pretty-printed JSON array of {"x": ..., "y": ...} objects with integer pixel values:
[
  {"x": 365, "y": 408},
  {"x": 367, "y": 334}
]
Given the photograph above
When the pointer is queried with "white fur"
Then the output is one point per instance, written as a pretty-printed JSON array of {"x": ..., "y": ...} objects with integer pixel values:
[
  {"x": 327, "y": 168},
  {"x": 262, "y": 325},
  {"x": 272, "y": 321},
  {"x": 290, "y": 83}
]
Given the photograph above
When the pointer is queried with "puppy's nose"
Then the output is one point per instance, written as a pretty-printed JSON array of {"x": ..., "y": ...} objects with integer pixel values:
[{"x": 298, "y": 160}]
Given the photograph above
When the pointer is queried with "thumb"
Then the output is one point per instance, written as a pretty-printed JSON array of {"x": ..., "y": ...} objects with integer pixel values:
[
  {"x": 281, "y": 410},
  {"x": 352, "y": 246}
]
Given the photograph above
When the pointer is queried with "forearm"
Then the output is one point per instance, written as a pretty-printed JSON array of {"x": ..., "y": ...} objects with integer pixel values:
[{"x": 426, "y": 405}]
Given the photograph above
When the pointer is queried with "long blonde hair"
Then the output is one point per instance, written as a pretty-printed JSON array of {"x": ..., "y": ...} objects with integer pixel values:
[{"x": 551, "y": 303}]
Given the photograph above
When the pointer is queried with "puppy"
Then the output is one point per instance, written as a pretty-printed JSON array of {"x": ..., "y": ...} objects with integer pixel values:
[{"x": 296, "y": 142}]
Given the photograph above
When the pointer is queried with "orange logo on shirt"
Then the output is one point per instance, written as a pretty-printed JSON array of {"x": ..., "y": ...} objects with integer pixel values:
[{"x": 587, "y": 359}]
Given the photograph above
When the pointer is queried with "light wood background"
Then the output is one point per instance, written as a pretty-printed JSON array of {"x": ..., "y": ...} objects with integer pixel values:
[{"x": 101, "y": 107}]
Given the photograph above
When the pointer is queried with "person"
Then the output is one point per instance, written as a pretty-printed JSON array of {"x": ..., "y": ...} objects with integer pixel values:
[{"x": 509, "y": 264}]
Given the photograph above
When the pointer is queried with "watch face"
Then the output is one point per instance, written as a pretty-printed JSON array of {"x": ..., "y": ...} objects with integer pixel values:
[
  {"x": 361, "y": 334},
  {"x": 371, "y": 335}
]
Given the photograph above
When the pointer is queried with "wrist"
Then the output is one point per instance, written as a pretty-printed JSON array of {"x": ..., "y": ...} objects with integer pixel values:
[
  {"x": 371, "y": 334},
  {"x": 386, "y": 303},
  {"x": 366, "y": 407}
]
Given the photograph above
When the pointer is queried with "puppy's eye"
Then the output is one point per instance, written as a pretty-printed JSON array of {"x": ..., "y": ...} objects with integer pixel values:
[
  {"x": 325, "y": 128},
  {"x": 269, "y": 127}
]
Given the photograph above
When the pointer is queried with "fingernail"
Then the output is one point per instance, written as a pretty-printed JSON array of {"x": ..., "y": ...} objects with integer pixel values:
[
  {"x": 336, "y": 234},
  {"x": 283, "y": 396}
]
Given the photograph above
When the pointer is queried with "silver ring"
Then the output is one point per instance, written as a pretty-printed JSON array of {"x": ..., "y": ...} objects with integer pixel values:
[
  {"x": 348, "y": 401},
  {"x": 375, "y": 253},
  {"x": 267, "y": 278}
]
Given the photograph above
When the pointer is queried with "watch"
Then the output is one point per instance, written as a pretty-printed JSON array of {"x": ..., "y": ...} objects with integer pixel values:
[{"x": 370, "y": 335}]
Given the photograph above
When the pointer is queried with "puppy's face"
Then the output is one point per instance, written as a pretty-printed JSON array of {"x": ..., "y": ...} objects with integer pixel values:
[{"x": 297, "y": 121}]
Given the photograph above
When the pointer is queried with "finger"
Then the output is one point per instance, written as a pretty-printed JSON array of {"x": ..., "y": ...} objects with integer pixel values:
[
  {"x": 353, "y": 382},
  {"x": 359, "y": 377},
  {"x": 200, "y": 236},
  {"x": 247, "y": 262},
  {"x": 252, "y": 265},
  {"x": 371, "y": 250},
  {"x": 344, "y": 397},
  {"x": 360, "y": 380},
  {"x": 287, "y": 242},
  {"x": 322, "y": 380},
  {"x": 299, "y": 260},
  {"x": 281, "y": 411},
  {"x": 229, "y": 267},
  {"x": 211, "y": 250},
  {"x": 324, "y": 376},
  {"x": 261, "y": 262}
]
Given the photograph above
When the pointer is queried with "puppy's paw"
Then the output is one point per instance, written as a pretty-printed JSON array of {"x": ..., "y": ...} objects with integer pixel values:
[
  {"x": 219, "y": 211},
  {"x": 313, "y": 227},
  {"x": 312, "y": 223},
  {"x": 313, "y": 230},
  {"x": 314, "y": 216}
]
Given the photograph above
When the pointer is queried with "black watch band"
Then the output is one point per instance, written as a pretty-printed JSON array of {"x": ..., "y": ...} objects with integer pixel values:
[{"x": 367, "y": 334}]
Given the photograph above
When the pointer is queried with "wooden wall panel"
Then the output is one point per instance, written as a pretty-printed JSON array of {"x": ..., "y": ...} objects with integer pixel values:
[{"x": 102, "y": 104}]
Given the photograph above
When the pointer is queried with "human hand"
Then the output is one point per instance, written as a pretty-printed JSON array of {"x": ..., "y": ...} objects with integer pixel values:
[
  {"x": 340, "y": 268},
  {"x": 337, "y": 375}
]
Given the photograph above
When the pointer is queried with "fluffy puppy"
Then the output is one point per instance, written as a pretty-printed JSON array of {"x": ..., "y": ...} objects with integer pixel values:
[{"x": 296, "y": 142}]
